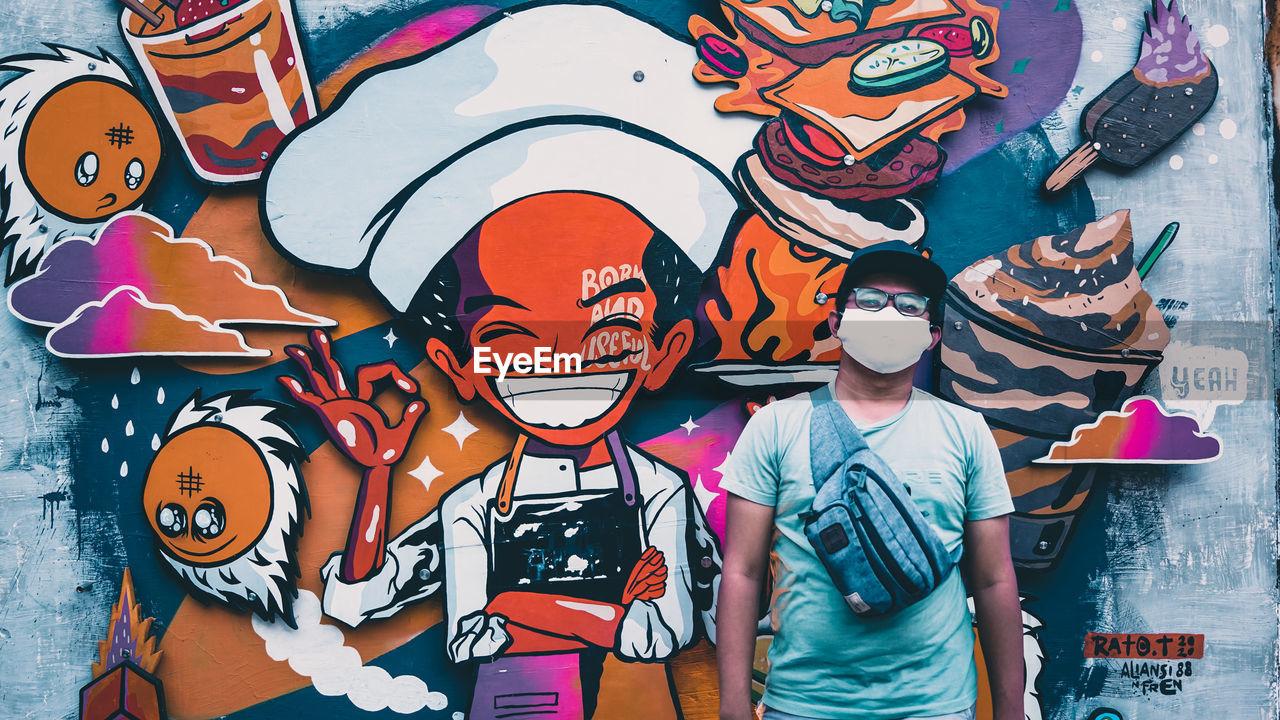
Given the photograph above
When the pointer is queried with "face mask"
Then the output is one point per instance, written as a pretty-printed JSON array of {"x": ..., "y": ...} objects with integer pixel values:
[{"x": 885, "y": 340}]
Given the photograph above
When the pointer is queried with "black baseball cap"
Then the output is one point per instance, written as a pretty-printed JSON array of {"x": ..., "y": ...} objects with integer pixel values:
[{"x": 898, "y": 258}]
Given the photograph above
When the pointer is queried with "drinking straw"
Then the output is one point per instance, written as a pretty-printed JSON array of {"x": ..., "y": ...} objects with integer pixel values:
[
  {"x": 1162, "y": 243},
  {"x": 143, "y": 12}
]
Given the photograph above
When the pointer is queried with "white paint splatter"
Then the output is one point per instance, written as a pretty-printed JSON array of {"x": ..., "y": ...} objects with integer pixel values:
[
  {"x": 1198, "y": 129},
  {"x": 1227, "y": 128},
  {"x": 348, "y": 432},
  {"x": 1096, "y": 56},
  {"x": 1119, "y": 24},
  {"x": 1175, "y": 162},
  {"x": 320, "y": 653},
  {"x": 1217, "y": 35}
]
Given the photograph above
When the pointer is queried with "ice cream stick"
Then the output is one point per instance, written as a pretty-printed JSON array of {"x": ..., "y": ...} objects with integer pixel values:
[
  {"x": 1071, "y": 166},
  {"x": 143, "y": 12},
  {"x": 1162, "y": 243}
]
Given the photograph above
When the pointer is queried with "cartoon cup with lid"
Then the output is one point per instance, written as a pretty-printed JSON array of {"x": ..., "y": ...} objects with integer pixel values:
[{"x": 229, "y": 77}]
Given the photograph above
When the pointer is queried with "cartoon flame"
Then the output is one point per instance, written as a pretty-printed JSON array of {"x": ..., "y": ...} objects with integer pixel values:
[
  {"x": 128, "y": 635},
  {"x": 763, "y": 305}
]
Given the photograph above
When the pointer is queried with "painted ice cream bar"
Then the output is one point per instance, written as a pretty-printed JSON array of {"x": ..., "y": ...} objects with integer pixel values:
[
  {"x": 230, "y": 78},
  {"x": 1041, "y": 339}
]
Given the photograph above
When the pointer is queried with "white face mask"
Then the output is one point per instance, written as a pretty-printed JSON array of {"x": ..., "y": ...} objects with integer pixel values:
[{"x": 885, "y": 340}]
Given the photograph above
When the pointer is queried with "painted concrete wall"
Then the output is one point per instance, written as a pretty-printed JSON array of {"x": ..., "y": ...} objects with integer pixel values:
[{"x": 1145, "y": 533}]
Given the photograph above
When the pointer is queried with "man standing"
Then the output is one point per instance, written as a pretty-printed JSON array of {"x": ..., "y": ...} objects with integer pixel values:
[{"x": 826, "y": 662}]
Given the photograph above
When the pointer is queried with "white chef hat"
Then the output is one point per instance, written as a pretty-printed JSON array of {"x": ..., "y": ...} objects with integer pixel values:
[{"x": 557, "y": 97}]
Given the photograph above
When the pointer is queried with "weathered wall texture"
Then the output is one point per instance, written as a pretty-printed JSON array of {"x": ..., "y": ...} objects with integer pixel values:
[{"x": 251, "y": 467}]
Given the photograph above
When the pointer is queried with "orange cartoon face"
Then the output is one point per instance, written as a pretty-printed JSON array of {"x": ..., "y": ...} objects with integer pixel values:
[
  {"x": 90, "y": 149},
  {"x": 565, "y": 273},
  {"x": 207, "y": 495}
]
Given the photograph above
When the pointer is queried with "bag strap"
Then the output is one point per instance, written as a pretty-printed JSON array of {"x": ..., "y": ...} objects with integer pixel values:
[{"x": 833, "y": 438}]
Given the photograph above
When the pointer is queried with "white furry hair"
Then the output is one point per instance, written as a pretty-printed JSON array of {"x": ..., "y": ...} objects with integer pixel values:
[
  {"x": 262, "y": 580},
  {"x": 26, "y": 228}
]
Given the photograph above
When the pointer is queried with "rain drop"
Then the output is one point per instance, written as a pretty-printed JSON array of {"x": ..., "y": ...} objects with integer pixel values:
[
  {"x": 115, "y": 402},
  {"x": 106, "y": 446},
  {"x": 155, "y": 442},
  {"x": 124, "y": 469},
  {"x": 135, "y": 378},
  {"x": 128, "y": 429},
  {"x": 160, "y": 396}
]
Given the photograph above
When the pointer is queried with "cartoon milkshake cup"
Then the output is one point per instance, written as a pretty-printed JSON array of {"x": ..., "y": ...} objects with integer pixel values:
[
  {"x": 1041, "y": 339},
  {"x": 229, "y": 76}
]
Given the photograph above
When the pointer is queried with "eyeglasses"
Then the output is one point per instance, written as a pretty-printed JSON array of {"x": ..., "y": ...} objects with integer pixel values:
[{"x": 874, "y": 299}]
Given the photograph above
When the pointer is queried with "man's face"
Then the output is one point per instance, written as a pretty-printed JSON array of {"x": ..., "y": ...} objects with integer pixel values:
[
  {"x": 891, "y": 284},
  {"x": 561, "y": 271}
]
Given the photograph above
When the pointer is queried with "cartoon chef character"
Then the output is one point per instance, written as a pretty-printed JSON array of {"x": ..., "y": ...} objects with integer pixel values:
[
  {"x": 548, "y": 193},
  {"x": 577, "y": 544}
]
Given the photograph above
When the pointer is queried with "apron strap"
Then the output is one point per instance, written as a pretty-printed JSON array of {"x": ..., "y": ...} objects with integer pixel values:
[
  {"x": 626, "y": 472},
  {"x": 617, "y": 451},
  {"x": 507, "y": 487}
]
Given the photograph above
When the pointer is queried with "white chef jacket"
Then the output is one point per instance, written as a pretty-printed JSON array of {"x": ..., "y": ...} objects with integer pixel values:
[{"x": 650, "y": 629}]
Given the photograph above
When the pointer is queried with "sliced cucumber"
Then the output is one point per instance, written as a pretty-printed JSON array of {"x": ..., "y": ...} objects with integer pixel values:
[{"x": 901, "y": 65}]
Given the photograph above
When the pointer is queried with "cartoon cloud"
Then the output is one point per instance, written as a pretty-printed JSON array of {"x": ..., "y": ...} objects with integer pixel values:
[
  {"x": 137, "y": 250},
  {"x": 125, "y": 323},
  {"x": 1140, "y": 432}
]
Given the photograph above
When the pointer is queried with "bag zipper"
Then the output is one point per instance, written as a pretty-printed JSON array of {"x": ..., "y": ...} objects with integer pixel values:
[
  {"x": 890, "y": 563},
  {"x": 921, "y": 541}
]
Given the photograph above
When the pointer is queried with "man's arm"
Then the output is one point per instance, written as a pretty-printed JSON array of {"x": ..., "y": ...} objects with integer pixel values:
[
  {"x": 748, "y": 530},
  {"x": 990, "y": 577}
]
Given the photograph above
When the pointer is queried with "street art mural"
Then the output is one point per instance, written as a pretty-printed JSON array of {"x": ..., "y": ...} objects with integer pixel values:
[{"x": 373, "y": 360}]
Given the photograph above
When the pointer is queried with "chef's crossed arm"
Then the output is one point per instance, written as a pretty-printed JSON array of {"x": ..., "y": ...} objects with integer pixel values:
[{"x": 656, "y": 629}]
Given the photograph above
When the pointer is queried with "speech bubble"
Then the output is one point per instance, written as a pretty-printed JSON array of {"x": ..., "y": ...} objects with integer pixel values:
[{"x": 1201, "y": 378}]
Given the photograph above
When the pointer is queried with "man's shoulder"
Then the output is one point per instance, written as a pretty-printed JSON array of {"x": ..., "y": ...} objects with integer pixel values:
[
  {"x": 949, "y": 412},
  {"x": 785, "y": 412}
]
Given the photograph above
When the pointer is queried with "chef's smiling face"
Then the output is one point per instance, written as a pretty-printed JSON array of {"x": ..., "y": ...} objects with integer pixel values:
[{"x": 563, "y": 271}]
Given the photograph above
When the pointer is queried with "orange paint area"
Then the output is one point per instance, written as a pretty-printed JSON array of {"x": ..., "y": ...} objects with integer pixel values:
[
  {"x": 215, "y": 488},
  {"x": 763, "y": 305},
  {"x": 1144, "y": 646},
  {"x": 91, "y": 149}
]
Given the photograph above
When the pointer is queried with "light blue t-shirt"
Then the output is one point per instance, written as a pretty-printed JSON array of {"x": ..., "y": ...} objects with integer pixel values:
[{"x": 825, "y": 661}]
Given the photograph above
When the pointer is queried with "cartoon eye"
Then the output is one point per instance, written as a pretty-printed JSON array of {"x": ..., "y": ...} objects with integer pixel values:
[
  {"x": 87, "y": 169},
  {"x": 209, "y": 519},
  {"x": 172, "y": 519},
  {"x": 134, "y": 173}
]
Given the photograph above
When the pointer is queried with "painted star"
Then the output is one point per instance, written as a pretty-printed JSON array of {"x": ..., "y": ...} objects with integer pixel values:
[
  {"x": 689, "y": 426},
  {"x": 723, "y": 465},
  {"x": 391, "y": 338},
  {"x": 426, "y": 472},
  {"x": 461, "y": 429},
  {"x": 704, "y": 494}
]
